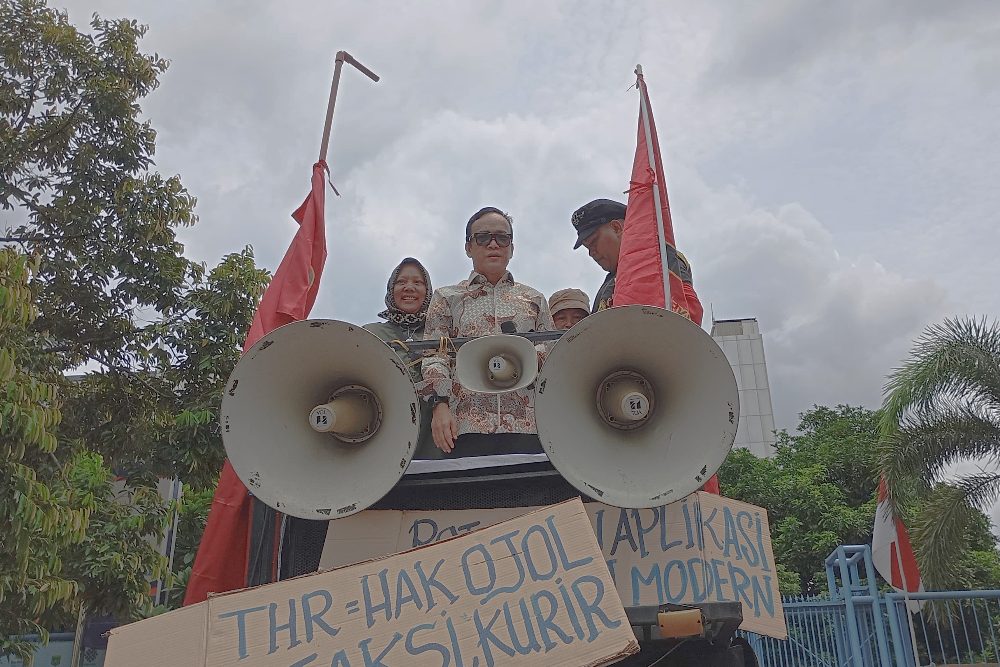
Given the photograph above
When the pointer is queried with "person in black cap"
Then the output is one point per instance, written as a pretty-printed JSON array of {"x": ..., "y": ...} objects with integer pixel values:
[{"x": 599, "y": 227}]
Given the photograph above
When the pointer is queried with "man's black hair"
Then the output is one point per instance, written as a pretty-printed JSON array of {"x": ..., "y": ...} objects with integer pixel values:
[{"x": 484, "y": 211}]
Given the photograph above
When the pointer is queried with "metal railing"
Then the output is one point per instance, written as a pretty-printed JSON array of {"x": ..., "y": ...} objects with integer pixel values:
[{"x": 857, "y": 625}]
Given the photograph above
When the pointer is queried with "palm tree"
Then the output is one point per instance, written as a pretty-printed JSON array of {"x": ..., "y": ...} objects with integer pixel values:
[{"x": 943, "y": 407}]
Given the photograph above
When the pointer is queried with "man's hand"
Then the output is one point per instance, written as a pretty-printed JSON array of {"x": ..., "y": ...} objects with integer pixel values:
[{"x": 444, "y": 428}]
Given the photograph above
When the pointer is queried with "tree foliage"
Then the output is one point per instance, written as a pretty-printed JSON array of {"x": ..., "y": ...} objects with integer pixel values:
[
  {"x": 41, "y": 516},
  {"x": 192, "y": 516},
  {"x": 942, "y": 408},
  {"x": 114, "y": 345},
  {"x": 820, "y": 490},
  {"x": 75, "y": 167}
]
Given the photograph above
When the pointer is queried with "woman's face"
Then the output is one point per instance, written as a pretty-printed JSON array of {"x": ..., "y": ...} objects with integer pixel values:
[{"x": 409, "y": 290}]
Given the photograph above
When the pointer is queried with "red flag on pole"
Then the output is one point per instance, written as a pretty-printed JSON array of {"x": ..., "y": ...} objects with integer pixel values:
[
  {"x": 648, "y": 266},
  {"x": 221, "y": 563},
  {"x": 892, "y": 553}
]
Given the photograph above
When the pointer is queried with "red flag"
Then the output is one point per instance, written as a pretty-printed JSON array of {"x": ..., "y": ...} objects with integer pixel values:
[
  {"x": 892, "y": 553},
  {"x": 639, "y": 279},
  {"x": 221, "y": 563}
]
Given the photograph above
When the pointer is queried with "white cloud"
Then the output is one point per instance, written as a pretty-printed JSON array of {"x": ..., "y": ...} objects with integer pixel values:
[{"x": 833, "y": 320}]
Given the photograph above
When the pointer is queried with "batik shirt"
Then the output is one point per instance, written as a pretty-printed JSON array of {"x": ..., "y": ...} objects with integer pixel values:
[{"x": 474, "y": 307}]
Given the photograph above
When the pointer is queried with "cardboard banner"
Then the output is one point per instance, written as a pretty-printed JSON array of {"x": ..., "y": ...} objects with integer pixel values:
[
  {"x": 530, "y": 591},
  {"x": 702, "y": 548}
]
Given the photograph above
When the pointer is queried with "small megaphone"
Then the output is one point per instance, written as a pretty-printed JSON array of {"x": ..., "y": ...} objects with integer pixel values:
[
  {"x": 636, "y": 406},
  {"x": 497, "y": 364},
  {"x": 320, "y": 419}
]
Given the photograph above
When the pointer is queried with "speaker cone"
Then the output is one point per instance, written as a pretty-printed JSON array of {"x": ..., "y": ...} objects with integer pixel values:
[
  {"x": 320, "y": 419},
  {"x": 636, "y": 406}
]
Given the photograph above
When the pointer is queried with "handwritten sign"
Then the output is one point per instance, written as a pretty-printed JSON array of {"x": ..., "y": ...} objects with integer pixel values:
[
  {"x": 702, "y": 548},
  {"x": 530, "y": 591}
]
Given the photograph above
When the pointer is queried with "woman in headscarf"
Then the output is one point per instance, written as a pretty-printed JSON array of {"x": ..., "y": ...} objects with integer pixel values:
[{"x": 407, "y": 297}]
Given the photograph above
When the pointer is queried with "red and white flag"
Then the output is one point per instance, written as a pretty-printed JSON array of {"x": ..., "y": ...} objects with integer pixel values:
[
  {"x": 640, "y": 279},
  {"x": 892, "y": 553},
  {"x": 221, "y": 562}
]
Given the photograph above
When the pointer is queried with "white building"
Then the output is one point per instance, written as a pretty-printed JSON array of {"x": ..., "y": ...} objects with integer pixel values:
[{"x": 744, "y": 347}]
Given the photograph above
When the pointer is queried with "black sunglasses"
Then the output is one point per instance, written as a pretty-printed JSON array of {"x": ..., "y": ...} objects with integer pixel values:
[{"x": 503, "y": 239}]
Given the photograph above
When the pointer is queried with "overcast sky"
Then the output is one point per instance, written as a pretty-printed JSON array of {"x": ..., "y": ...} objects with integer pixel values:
[{"x": 832, "y": 167}]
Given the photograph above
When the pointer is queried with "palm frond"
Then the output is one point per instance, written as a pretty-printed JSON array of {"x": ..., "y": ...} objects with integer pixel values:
[
  {"x": 981, "y": 490},
  {"x": 926, "y": 443},
  {"x": 959, "y": 357},
  {"x": 940, "y": 533}
]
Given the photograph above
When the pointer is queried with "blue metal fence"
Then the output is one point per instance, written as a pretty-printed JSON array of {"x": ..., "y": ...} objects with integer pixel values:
[{"x": 856, "y": 625}]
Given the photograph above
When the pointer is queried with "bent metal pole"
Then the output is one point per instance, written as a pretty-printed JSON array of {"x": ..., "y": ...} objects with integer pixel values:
[{"x": 342, "y": 57}]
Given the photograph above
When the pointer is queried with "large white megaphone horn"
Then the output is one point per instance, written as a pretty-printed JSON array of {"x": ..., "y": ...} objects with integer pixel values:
[
  {"x": 320, "y": 419},
  {"x": 496, "y": 364},
  {"x": 636, "y": 406}
]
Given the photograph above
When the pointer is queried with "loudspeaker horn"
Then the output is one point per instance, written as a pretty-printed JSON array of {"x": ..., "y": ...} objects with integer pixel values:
[
  {"x": 636, "y": 406},
  {"x": 320, "y": 419},
  {"x": 496, "y": 364}
]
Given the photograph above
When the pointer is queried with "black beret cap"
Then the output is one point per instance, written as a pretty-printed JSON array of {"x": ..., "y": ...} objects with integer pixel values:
[{"x": 589, "y": 217}]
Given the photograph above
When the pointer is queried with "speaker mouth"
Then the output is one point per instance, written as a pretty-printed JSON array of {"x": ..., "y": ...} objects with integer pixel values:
[
  {"x": 352, "y": 415},
  {"x": 625, "y": 400},
  {"x": 503, "y": 371}
]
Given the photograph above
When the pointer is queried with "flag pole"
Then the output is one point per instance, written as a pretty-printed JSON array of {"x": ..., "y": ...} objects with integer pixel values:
[
  {"x": 644, "y": 110},
  {"x": 342, "y": 57}
]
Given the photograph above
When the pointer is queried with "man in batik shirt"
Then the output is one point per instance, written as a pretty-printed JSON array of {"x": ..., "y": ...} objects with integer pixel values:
[{"x": 466, "y": 423}]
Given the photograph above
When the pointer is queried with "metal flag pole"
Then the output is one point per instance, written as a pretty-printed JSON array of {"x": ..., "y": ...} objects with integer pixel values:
[
  {"x": 342, "y": 57},
  {"x": 644, "y": 112}
]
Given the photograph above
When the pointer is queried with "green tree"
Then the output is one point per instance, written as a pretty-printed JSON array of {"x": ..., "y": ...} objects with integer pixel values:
[
  {"x": 74, "y": 165},
  {"x": 818, "y": 488},
  {"x": 192, "y": 516},
  {"x": 111, "y": 289},
  {"x": 820, "y": 491},
  {"x": 942, "y": 407},
  {"x": 41, "y": 516}
]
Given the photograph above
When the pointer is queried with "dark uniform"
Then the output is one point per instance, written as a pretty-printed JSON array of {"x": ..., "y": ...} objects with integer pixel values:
[
  {"x": 605, "y": 295},
  {"x": 588, "y": 219}
]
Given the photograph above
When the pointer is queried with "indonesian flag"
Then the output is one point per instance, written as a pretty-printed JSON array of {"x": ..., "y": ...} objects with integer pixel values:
[
  {"x": 639, "y": 279},
  {"x": 892, "y": 554},
  {"x": 221, "y": 562}
]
